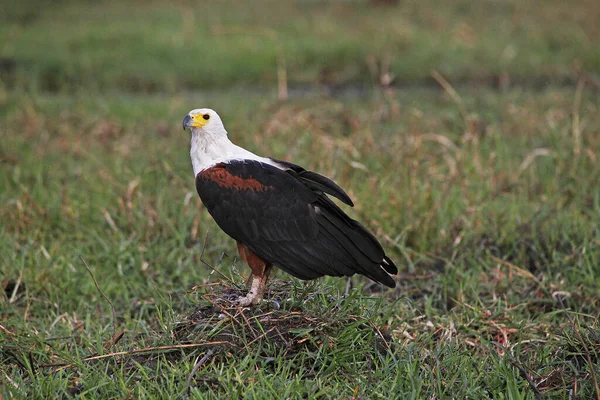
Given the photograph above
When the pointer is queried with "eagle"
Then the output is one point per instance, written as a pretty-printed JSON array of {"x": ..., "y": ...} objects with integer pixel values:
[{"x": 279, "y": 213}]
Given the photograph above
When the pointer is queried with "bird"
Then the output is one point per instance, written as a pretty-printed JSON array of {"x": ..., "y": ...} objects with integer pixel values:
[{"x": 279, "y": 213}]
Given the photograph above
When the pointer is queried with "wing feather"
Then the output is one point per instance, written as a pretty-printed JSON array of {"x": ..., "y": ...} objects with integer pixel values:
[
  {"x": 316, "y": 182},
  {"x": 287, "y": 220}
]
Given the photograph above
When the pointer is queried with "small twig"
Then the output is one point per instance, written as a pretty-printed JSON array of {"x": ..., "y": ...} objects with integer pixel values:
[
  {"x": 114, "y": 340},
  {"x": 112, "y": 307},
  {"x": 387, "y": 345},
  {"x": 204, "y": 245},
  {"x": 248, "y": 324},
  {"x": 257, "y": 317},
  {"x": 282, "y": 338},
  {"x": 138, "y": 351},
  {"x": 260, "y": 337},
  {"x": 197, "y": 365},
  {"x": 228, "y": 279},
  {"x": 210, "y": 266},
  {"x": 525, "y": 375}
]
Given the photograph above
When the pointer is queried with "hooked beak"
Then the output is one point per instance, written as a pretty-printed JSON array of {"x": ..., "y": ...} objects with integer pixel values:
[{"x": 187, "y": 121}]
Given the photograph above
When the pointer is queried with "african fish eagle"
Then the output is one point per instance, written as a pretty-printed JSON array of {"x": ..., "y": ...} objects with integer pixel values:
[{"x": 279, "y": 213}]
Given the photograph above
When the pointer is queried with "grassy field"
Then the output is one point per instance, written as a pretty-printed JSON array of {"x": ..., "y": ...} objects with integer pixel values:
[
  {"x": 152, "y": 46},
  {"x": 480, "y": 181}
]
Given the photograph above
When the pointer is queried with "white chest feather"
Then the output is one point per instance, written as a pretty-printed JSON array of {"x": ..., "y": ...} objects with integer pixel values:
[{"x": 208, "y": 150}]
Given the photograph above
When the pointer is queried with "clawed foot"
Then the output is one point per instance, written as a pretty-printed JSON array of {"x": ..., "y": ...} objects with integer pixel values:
[
  {"x": 241, "y": 301},
  {"x": 255, "y": 293},
  {"x": 248, "y": 300}
]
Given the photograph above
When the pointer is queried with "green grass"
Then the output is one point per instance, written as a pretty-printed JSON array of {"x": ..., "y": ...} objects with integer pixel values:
[
  {"x": 489, "y": 203},
  {"x": 159, "y": 46},
  {"x": 488, "y": 243}
]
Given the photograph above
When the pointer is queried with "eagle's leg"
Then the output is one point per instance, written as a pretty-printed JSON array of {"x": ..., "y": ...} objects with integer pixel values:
[{"x": 258, "y": 278}]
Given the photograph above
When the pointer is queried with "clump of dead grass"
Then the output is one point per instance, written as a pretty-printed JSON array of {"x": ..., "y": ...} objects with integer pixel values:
[
  {"x": 288, "y": 320},
  {"x": 218, "y": 318}
]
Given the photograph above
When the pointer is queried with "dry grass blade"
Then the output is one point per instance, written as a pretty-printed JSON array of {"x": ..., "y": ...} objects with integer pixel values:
[
  {"x": 6, "y": 331},
  {"x": 197, "y": 365},
  {"x": 531, "y": 156},
  {"x": 112, "y": 307},
  {"x": 15, "y": 290},
  {"x": 453, "y": 94},
  {"x": 520, "y": 271},
  {"x": 137, "y": 351},
  {"x": 576, "y": 119}
]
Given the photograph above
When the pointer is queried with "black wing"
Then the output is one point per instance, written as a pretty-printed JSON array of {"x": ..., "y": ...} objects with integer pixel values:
[
  {"x": 285, "y": 219},
  {"x": 315, "y": 181}
]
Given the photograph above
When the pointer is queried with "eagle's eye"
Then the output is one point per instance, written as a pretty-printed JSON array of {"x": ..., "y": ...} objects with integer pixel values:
[{"x": 206, "y": 117}]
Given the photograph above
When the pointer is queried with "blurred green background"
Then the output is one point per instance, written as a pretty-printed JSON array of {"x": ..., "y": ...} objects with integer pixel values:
[{"x": 173, "y": 46}]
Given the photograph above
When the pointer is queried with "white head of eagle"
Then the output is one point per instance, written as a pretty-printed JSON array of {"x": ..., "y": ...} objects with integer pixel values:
[
  {"x": 278, "y": 212},
  {"x": 205, "y": 119}
]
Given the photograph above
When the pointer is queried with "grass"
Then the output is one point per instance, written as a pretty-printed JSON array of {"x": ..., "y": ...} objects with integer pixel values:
[
  {"x": 497, "y": 247},
  {"x": 158, "y": 46},
  {"x": 487, "y": 199}
]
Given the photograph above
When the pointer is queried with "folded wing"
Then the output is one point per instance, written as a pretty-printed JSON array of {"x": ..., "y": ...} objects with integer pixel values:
[{"x": 285, "y": 217}]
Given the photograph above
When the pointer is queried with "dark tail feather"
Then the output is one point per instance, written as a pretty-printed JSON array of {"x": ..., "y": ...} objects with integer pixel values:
[
  {"x": 383, "y": 278},
  {"x": 345, "y": 243},
  {"x": 357, "y": 234},
  {"x": 389, "y": 266},
  {"x": 360, "y": 253}
]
